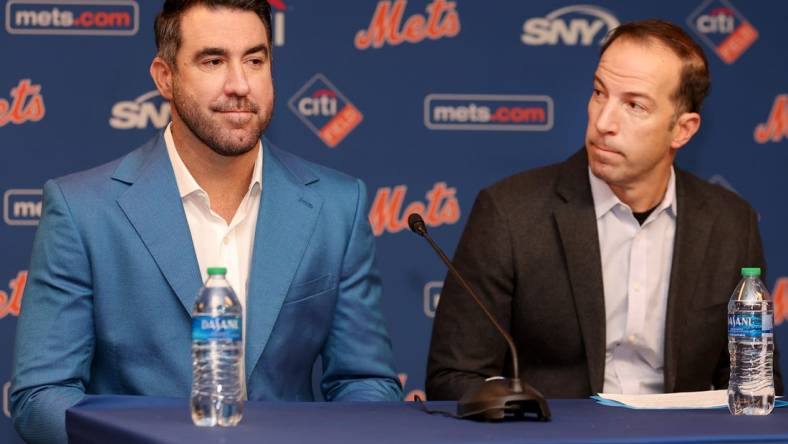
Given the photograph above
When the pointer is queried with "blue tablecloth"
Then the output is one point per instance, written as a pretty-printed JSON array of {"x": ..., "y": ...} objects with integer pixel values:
[{"x": 130, "y": 419}]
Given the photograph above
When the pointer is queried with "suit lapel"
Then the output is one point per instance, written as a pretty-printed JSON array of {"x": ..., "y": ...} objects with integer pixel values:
[
  {"x": 693, "y": 228},
  {"x": 576, "y": 221},
  {"x": 286, "y": 221},
  {"x": 153, "y": 206}
]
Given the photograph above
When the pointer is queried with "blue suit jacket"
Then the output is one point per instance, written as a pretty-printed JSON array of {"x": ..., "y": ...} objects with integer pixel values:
[{"x": 114, "y": 276}]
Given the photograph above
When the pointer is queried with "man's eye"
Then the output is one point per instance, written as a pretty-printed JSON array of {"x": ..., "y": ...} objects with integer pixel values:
[
  {"x": 636, "y": 106},
  {"x": 212, "y": 62}
]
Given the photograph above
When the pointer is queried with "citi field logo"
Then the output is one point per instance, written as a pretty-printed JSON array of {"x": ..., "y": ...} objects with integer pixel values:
[
  {"x": 72, "y": 17},
  {"x": 26, "y": 104},
  {"x": 22, "y": 207},
  {"x": 432, "y": 295},
  {"x": 776, "y": 127},
  {"x": 488, "y": 112},
  {"x": 571, "y": 25},
  {"x": 386, "y": 28},
  {"x": 11, "y": 304},
  {"x": 720, "y": 180},
  {"x": 325, "y": 110},
  {"x": 386, "y": 213},
  {"x": 146, "y": 110},
  {"x": 723, "y": 29},
  {"x": 780, "y": 298},
  {"x": 278, "y": 25}
]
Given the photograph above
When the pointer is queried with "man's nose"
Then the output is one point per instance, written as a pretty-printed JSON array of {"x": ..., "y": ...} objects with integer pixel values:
[
  {"x": 607, "y": 118},
  {"x": 236, "y": 83}
]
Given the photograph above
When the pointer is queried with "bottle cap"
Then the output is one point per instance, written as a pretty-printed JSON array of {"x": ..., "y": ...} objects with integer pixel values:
[
  {"x": 213, "y": 271},
  {"x": 750, "y": 271}
]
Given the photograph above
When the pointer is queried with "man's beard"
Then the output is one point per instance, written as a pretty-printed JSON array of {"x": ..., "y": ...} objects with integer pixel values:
[{"x": 210, "y": 131}]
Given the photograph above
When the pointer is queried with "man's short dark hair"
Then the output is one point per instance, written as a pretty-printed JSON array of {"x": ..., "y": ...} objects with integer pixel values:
[
  {"x": 168, "y": 23},
  {"x": 694, "y": 81}
]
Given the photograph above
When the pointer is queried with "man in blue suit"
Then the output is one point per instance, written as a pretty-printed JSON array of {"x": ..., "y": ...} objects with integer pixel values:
[{"x": 118, "y": 255}]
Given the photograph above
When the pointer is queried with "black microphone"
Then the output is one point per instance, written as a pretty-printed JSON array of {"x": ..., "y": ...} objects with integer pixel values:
[{"x": 495, "y": 399}]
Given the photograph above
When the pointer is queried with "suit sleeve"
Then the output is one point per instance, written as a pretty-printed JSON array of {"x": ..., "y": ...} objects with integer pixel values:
[
  {"x": 55, "y": 336},
  {"x": 357, "y": 356},
  {"x": 465, "y": 347}
]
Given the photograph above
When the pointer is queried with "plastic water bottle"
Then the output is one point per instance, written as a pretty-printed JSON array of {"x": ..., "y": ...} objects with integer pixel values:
[
  {"x": 751, "y": 346},
  {"x": 217, "y": 353}
]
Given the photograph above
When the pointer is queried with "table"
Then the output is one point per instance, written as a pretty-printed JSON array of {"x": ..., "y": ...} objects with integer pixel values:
[{"x": 136, "y": 419}]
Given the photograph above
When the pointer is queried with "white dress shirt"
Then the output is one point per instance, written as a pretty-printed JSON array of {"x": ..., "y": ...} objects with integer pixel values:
[
  {"x": 217, "y": 243},
  {"x": 636, "y": 263}
]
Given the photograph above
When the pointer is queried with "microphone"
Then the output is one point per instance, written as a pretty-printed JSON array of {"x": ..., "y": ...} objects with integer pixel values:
[{"x": 498, "y": 398}]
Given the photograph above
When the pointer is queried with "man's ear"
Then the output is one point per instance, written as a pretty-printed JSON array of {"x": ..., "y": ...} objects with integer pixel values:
[
  {"x": 687, "y": 124},
  {"x": 161, "y": 72}
]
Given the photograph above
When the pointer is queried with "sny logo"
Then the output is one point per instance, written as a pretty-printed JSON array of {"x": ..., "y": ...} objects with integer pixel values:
[
  {"x": 723, "y": 29},
  {"x": 570, "y": 25},
  {"x": 386, "y": 213},
  {"x": 137, "y": 113},
  {"x": 22, "y": 207},
  {"x": 442, "y": 20},
  {"x": 26, "y": 105},
  {"x": 72, "y": 17},
  {"x": 776, "y": 128},
  {"x": 10, "y": 305},
  {"x": 489, "y": 112},
  {"x": 780, "y": 298},
  {"x": 325, "y": 110}
]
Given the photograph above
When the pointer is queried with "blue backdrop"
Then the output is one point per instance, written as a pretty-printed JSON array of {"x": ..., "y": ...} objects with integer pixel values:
[{"x": 426, "y": 100}]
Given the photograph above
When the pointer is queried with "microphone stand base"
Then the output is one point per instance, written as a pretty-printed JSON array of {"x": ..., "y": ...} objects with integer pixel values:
[{"x": 496, "y": 400}]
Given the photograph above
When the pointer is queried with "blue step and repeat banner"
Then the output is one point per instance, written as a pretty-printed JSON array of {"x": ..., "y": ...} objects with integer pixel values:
[{"x": 428, "y": 101}]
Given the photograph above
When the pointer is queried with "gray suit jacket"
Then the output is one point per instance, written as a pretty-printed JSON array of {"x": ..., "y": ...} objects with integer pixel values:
[{"x": 531, "y": 251}]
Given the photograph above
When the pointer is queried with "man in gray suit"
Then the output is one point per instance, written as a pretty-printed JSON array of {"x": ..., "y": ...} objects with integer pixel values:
[{"x": 613, "y": 269}]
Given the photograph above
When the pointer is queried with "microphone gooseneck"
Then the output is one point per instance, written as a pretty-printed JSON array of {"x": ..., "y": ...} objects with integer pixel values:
[
  {"x": 493, "y": 399},
  {"x": 416, "y": 223}
]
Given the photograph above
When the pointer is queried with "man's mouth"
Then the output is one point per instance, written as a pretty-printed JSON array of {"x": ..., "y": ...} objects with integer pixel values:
[
  {"x": 235, "y": 111},
  {"x": 603, "y": 147}
]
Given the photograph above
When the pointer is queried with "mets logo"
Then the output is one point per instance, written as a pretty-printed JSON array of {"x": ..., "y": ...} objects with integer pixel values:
[
  {"x": 10, "y": 305},
  {"x": 432, "y": 295},
  {"x": 73, "y": 17},
  {"x": 488, "y": 112},
  {"x": 26, "y": 104},
  {"x": 776, "y": 127},
  {"x": 325, "y": 110},
  {"x": 723, "y": 29},
  {"x": 386, "y": 212},
  {"x": 22, "y": 206},
  {"x": 386, "y": 27},
  {"x": 6, "y": 389}
]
